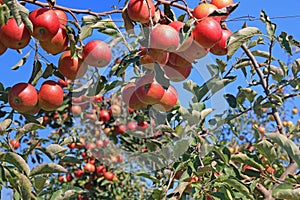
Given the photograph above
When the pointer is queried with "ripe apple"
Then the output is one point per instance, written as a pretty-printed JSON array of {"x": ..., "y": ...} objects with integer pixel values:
[
  {"x": 104, "y": 116},
  {"x": 45, "y": 23},
  {"x": 15, "y": 144},
  {"x": 14, "y": 36},
  {"x": 261, "y": 129},
  {"x": 148, "y": 90},
  {"x": 120, "y": 129},
  {"x": 132, "y": 126},
  {"x": 295, "y": 110},
  {"x": 98, "y": 98},
  {"x": 141, "y": 10},
  {"x": 176, "y": 73},
  {"x": 100, "y": 170},
  {"x": 115, "y": 110},
  {"x": 168, "y": 101},
  {"x": 23, "y": 97},
  {"x": 130, "y": 98},
  {"x": 51, "y": 96},
  {"x": 76, "y": 110},
  {"x": 1, "y": 2},
  {"x": 178, "y": 59},
  {"x": 69, "y": 177},
  {"x": 57, "y": 43},
  {"x": 61, "y": 179},
  {"x": 71, "y": 67},
  {"x": 195, "y": 51},
  {"x": 109, "y": 175},
  {"x": 207, "y": 32},
  {"x": 178, "y": 25},
  {"x": 164, "y": 37},
  {"x": 220, "y": 48},
  {"x": 2, "y": 48},
  {"x": 222, "y": 3},
  {"x": 62, "y": 16},
  {"x": 78, "y": 173},
  {"x": 203, "y": 10},
  {"x": 142, "y": 126},
  {"x": 150, "y": 56},
  {"x": 89, "y": 167},
  {"x": 96, "y": 53}
]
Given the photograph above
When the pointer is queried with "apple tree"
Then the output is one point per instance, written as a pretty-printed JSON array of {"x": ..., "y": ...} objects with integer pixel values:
[{"x": 103, "y": 113}]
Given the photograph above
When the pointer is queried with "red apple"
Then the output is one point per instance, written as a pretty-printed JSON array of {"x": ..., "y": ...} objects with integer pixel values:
[
  {"x": 178, "y": 59},
  {"x": 15, "y": 144},
  {"x": 208, "y": 32},
  {"x": 71, "y": 67},
  {"x": 178, "y": 25},
  {"x": 175, "y": 73},
  {"x": 119, "y": 129},
  {"x": 168, "y": 101},
  {"x": 45, "y": 23},
  {"x": 76, "y": 110},
  {"x": 62, "y": 16},
  {"x": 130, "y": 98},
  {"x": 89, "y": 167},
  {"x": 222, "y": 3},
  {"x": 57, "y": 43},
  {"x": 220, "y": 48},
  {"x": 78, "y": 173},
  {"x": 96, "y": 53},
  {"x": 141, "y": 10},
  {"x": 109, "y": 175},
  {"x": 148, "y": 90},
  {"x": 203, "y": 10},
  {"x": 164, "y": 37},
  {"x": 98, "y": 98},
  {"x": 51, "y": 96},
  {"x": 104, "y": 116},
  {"x": 14, "y": 36},
  {"x": 142, "y": 126},
  {"x": 23, "y": 97},
  {"x": 132, "y": 126}
]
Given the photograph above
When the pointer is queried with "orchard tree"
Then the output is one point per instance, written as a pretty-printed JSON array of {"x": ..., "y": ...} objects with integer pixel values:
[{"x": 102, "y": 115}]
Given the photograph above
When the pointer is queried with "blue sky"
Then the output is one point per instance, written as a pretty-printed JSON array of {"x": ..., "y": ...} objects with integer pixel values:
[{"x": 273, "y": 8}]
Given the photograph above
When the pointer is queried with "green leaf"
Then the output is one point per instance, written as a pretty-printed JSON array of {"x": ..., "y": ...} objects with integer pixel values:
[
  {"x": 4, "y": 14},
  {"x": 16, "y": 160},
  {"x": 28, "y": 128},
  {"x": 25, "y": 186},
  {"x": 267, "y": 149},
  {"x": 36, "y": 73},
  {"x": 169, "y": 12},
  {"x": 286, "y": 191},
  {"x": 65, "y": 194},
  {"x": 239, "y": 187},
  {"x": 243, "y": 158},
  {"x": 263, "y": 54},
  {"x": 240, "y": 37},
  {"x": 21, "y": 62},
  {"x": 52, "y": 150},
  {"x": 39, "y": 183},
  {"x": 286, "y": 42},
  {"x": 49, "y": 168},
  {"x": 70, "y": 159},
  {"x": 249, "y": 93},
  {"x": 148, "y": 176},
  {"x": 288, "y": 145},
  {"x": 69, "y": 140},
  {"x": 271, "y": 27}
]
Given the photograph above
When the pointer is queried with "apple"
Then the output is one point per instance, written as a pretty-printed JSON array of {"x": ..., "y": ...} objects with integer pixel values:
[
  {"x": 96, "y": 53},
  {"x": 220, "y": 48},
  {"x": 45, "y": 23},
  {"x": 14, "y": 36},
  {"x": 78, "y": 173},
  {"x": 100, "y": 170},
  {"x": 89, "y": 167},
  {"x": 51, "y": 96},
  {"x": 130, "y": 98},
  {"x": 150, "y": 56},
  {"x": 132, "y": 126},
  {"x": 195, "y": 51},
  {"x": 164, "y": 37},
  {"x": 178, "y": 25},
  {"x": 71, "y": 67},
  {"x": 15, "y": 144},
  {"x": 76, "y": 110},
  {"x": 109, "y": 175},
  {"x": 23, "y": 97},
  {"x": 62, "y": 16},
  {"x": 178, "y": 59},
  {"x": 168, "y": 101},
  {"x": 115, "y": 110},
  {"x": 61, "y": 179},
  {"x": 142, "y": 126},
  {"x": 120, "y": 129},
  {"x": 261, "y": 129},
  {"x": 69, "y": 177},
  {"x": 141, "y": 10},
  {"x": 208, "y": 32},
  {"x": 222, "y": 3},
  {"x": 176, "y": 73},
  {"x": 2, "y": 48},
  {"x": 203, "y": 10},
  {"x": 98, "y": 98},
  {"x": 295, "y": 111},
  {"x": 148, "y": 90},
  {"x": 104, "y": 116},
  {"x": 57, "y": 43}
]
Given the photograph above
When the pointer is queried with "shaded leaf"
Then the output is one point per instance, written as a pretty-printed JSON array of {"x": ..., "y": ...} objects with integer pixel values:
[
  {"x": 243, "y": 158},
  {"x": 25, "y": 187},
  {"x": 296, "y": 67},
  {"x": 85, "y": 32},
  {"x": 16, "y": 160},
  {"x": 286, "y": 191},
  {"x": 288, "y": 145},
  {"x": 21, "y": 62},
  {"x": 4, "y": 125},
  {"x": 225, "y": 11},
  {"x": 129, "y": 26},
  {"x": 239, "y": 187},
  {"x": 271, "y": 27},
  {"x": 27, "y": 128},
  {"x": 49, "y": 168},
  {"x": 267, "y": 149},
  {"x": 36, "y": 73}
]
